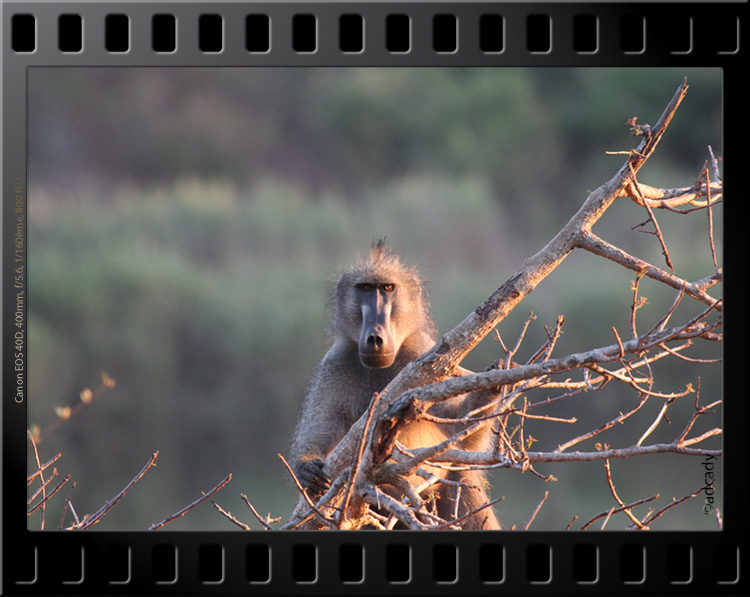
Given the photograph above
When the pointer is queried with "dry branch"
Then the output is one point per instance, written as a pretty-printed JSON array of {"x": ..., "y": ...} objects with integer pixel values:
[
  {"x": 189, "y": 507},
  {"x": 90, "y": 520},
  {"x": 536, "y": 511},
  {"x": 229, "y": 516},
  {"x": 613, "y": 510},
  {"x": 66, "y": 506},
  {"x": 42, "y": 468},
  {"x": 651, "y": 517},
  {"x": 627, "y": 511},
  {"x": 40, "y": 472},
  {"x": 47, "y": 496},
  {"x": 265, "y": 522},
  {"x": 598, "y": 246}
]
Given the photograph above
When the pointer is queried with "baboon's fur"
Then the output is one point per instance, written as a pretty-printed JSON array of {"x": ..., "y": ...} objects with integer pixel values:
[{"x": 342, "y": 385}]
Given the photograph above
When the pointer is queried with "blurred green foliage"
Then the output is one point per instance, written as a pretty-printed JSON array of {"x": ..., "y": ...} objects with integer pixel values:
[{"x": 184, "y": 222}]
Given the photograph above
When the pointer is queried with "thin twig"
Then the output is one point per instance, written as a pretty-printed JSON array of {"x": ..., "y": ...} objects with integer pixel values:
[
  {"x": 619, "y": 341},
  {"x": 47, "y": 496},
  {"x": 634, "y": 306},
  {"x": 611, "y": 484},
  {"x": 659, "y": 417},
  {"x": 189, "y": 507},
  {"x": 659, "y": 325},
  {"x": 90, "y": 521},
  {"x": 75, "y": 514},
  {"x": 682, "y": 357},
  {"x": 41, "y": 476},
  {"x": 548, "y": 346},
  {"x": 549, "y": 418},
  {"x": 42, "y": 487},
  {"x": 509, "y": 356},
  {"x": 31, "y": 477},
  {"x": 640, "y": 199},
  {"x": 536, "y": 511},
  {"x": 65, "y": 507},
  {"x": 610, "y": 424},
  {"x": 710, "y": 213},
  {"x": 232, "y": 518},
  {"x": 696, "y": 413},
  {"x": 703, "y": 436},
  {"x": 614, "y": 510},
  {"x": 647, "y": 521},
  {"x": 265, "y": 523}
]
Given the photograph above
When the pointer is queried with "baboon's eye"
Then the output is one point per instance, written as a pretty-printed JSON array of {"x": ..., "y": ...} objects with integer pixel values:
[
  {"x": 365, "y": 287},
  {"x": 388, "y": 287}
]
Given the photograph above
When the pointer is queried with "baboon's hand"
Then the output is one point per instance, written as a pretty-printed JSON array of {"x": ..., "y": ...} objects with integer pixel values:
[{"x": 311, "y": 476}]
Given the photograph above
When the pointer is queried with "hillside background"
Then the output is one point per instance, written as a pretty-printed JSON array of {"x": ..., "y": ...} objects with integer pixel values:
[{"x": 184, "y": 224}]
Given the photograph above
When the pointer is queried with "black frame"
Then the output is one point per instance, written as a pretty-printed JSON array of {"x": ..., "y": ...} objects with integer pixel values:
[{"x": 120, "y": 34}]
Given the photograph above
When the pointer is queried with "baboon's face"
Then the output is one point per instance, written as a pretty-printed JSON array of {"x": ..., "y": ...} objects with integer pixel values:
[{"x": 378, "y": 341}]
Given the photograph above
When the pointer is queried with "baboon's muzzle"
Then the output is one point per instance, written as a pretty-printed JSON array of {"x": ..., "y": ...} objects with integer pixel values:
[{"x": 377, "y": 347}]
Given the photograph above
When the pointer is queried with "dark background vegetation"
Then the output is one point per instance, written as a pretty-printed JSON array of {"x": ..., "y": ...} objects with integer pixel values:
[{"x": 183, "y": 224}]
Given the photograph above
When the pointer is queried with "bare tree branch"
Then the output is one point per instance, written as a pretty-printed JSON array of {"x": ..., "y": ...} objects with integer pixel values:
[
  {"x": 230, "y": 517},
  {"x": 611, "y": 511},
  {"x": 65, "y": 507},
  {"x": 265, "y": 522},
  {"x": 89, "y": 521},
  {"x": 47, "y": 496},
  {"x": 40, "y": 472},
  {"x": 189, "y": 507},
  {"x": 650, "y": 518},
  {"x": 627, "y": 511},
  {"x": 597, "y": 246},
  {"x": 46, "y": 465},
  {"x": 536, "y": 511},
  {"x": 609, "y": 425}
]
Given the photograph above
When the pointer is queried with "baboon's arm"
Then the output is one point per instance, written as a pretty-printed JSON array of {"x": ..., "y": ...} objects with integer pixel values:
[{"x": 323, "y": 422}]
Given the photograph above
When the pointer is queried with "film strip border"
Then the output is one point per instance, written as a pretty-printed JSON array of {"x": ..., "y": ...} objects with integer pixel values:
[
  {"x": 299, "y": 34},
  {"x": 400, "y": 563},
  {"x": 483, "y": 33}
]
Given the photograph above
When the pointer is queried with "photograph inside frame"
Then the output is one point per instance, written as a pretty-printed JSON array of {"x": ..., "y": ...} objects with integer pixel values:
[{"x": 213, "y": 252}]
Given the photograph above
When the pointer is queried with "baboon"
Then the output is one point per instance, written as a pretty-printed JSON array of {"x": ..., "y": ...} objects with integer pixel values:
[{"x": 379, "y": 321}]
